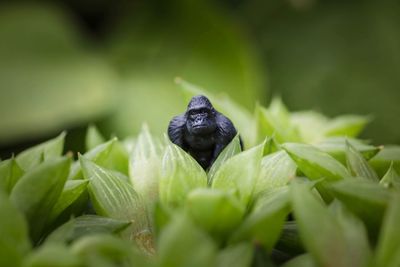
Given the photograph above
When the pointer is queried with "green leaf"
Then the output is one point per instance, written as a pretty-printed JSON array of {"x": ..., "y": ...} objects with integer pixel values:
[
  {"x": 275, "y": 121},
  {"x": 14, "y": 240},
  {"x": 38, "y": 190},
  {"x": 277, "y": 169},
  {"x": 232, "y": 149},
  {"x": 388, "y": 248},
  {"x": 346, "y": 125},
  {"x": 366, "y": 199},
  {"x": 10, "y": 172},
  {"x": 182, "y": 244},
  {"x": 180, "y": 175},
  {"x": 102, "y": 250},
  {"x": 314, "y": 163},
  {"x": 93, "y": 137},
  {"x": 358, "y": 165},
  {"x": 145, "y": 166},
  {"x": 86, "y": 225},
  {"x": 264, "y": 224},
  {"x": 341, "y": 239},
  {"x": 310, "y": 125},
  {"x": 215, "y": 211},
  {"x": 391, "y": 179},
  {"x": 289, "y": 241},
  {"x": 239, "y": 255},
  {"x": 304, "y": 260},
  {"x": 73, "y": 189},
  {"x": 382, "y": 161},
  {"x": 336, "y": 147},
  {"x": 240, "y": 117},
  {"x": 116, "y": 198},
  {"x": 111, "y": 155},
  {"x": 33, "y": 156},
  {"x": 52, "y": 256},
  {"x": 240, "y": 174}
]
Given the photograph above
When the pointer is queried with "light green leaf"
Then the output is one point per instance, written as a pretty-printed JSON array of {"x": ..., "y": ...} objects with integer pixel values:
[
  {"x": 240, "y": 117},
  {"x": 314, "y": 163},
  {"x": 33, "y": 156},
  {"x": 93, "y": 137},
  {"x": 86, "y": 225},
  {"x": 229, "y": 151},
  {"x": 73, "y": 189},
  {"x": 304, "y": 260},
  {"x": 240, "y": 174},
  {"x": 346, "y": 125},
  {"x": 310, "y": 125},
  {"x": 336, "y": 147},
  {"x": 339, "y": 241},
  {"x": 264, "y": 224},
  {"x": 14, "y": 239},
  {"x": 382, "y": 161},
  {"x": 55, "y": 255},
  {"x": 38, "y": 190},
  {"x": 116, "y": 198},
  {"x": 215, "y": 211},
  {"x": 180, "y": 175},
  {"x": 277, "y": 169},
  {"x": 239, "y": 255},
  {"x": 366, "y": 199},
  {"x": 275, "y": 121},
  {"x": 358, "y": 165},
  {"x": 10, "y": 172},
  {"x": 391, "y": 179},
  {"x": 388, "y": 248},
  {"x": 182, "y": 244},
  {"x": 111, "y": 155},
  {"x": 145, "y": 166},
  {"x": 103, "y": 250}
]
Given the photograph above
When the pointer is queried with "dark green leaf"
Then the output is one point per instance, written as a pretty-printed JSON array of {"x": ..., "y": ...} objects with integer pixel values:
[
  {"x": 239, "y": 255},
  {"x": 314, "y": 163},
  {"x": 388, "y": 248},
  {"x": 264, "y": 223},
  {"x": 182, "y": 244},
  {"x": 14, "y": 240},
  {"x": 181, "y": 174},
  {"x": 358, "y": 165},
  {"x": 340, "y": 240},
  {"x": 55, "y": 255},
  {"x": 33, "y": 156},
  {"x": 366, "y": 199},
  {"x": 229, "y": 151},
  {"x": 38, "y": 190},
  {"x": 86, "y": 225},
  {"x": 10, "y": 172},
  {"x": 73, "y": 189}
]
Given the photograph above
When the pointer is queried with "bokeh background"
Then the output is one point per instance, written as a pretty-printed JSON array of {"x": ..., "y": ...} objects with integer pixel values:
[{"x": 64, "y": 64}]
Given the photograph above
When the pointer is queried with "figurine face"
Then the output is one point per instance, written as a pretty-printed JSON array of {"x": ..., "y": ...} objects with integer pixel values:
[{"x": 200, "y": 119}]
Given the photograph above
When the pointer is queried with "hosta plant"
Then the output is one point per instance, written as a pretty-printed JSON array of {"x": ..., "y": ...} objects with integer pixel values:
[{"x": 304, "y": 192}]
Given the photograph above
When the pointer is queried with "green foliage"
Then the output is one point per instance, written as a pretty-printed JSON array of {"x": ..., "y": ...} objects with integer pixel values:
[{"x": 155, "y": 206}]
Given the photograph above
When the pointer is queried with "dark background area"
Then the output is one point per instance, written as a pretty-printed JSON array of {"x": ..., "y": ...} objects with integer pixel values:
[{"x": 64, "y": 64}]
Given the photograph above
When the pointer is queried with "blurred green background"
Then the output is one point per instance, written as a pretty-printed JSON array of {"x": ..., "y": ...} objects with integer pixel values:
[{"x": 64, "y": 64}]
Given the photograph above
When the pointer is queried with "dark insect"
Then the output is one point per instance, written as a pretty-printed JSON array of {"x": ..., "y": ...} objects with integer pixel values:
[{"x": 201, "y": 131}]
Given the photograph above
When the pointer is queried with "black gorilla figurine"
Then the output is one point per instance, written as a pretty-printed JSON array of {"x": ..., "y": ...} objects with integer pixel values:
[{"x": 201, "y": 131}]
